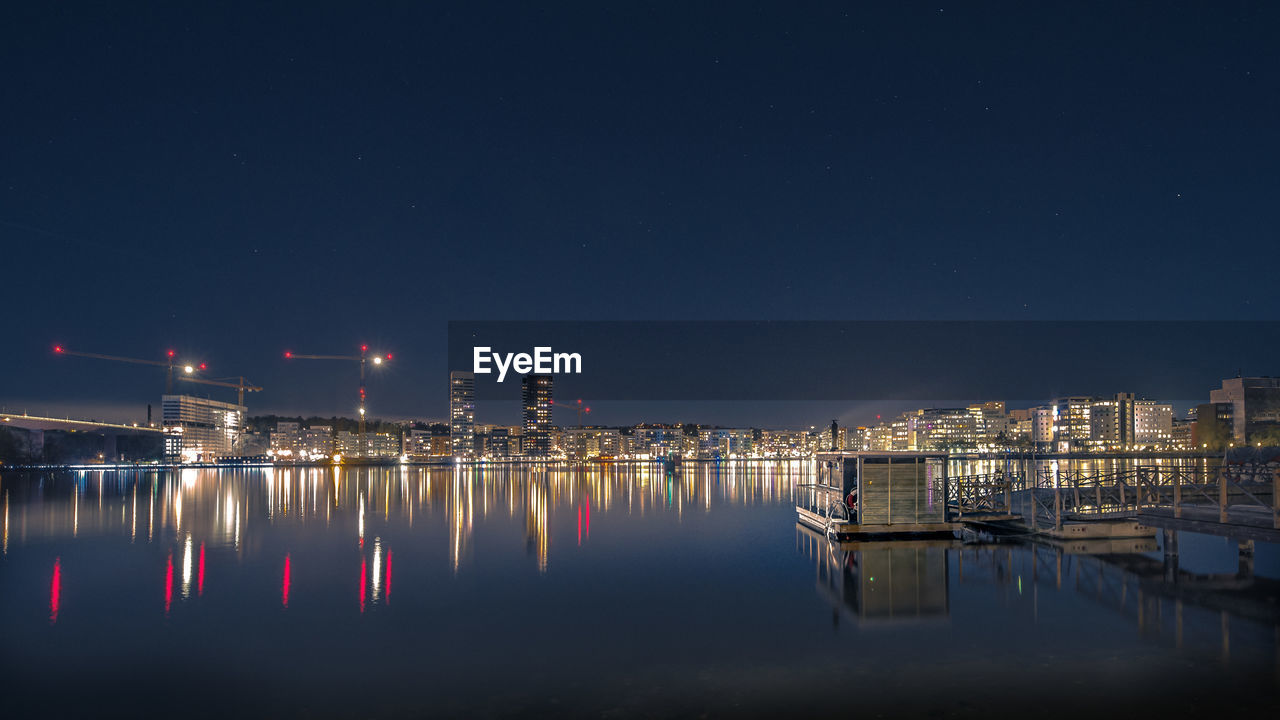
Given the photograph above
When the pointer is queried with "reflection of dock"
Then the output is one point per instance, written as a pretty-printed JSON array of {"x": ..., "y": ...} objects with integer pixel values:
[
  {"x": 1120, "y": 574},
  {"x": 878, "y": 582}
]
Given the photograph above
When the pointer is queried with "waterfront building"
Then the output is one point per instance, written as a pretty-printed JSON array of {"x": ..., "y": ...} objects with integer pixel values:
[
  {"x": 318, "y": 440},
  {"x": 782, "y": 443},
  {"x": 1180, "y": 435},
  {"x": 1072, "y": 422},
  {"x": 656, "y": 442},
  {"x": 254, "y": 444},
  {"x": 199, "y": 429},
  {"x": 1021, "y": 426},
  {"x": 1153, "y": 423},
  {"x": 1042, "y": 426},
  {"x": 1212, "y": 425},
  {"x": 899, "y": 433},
  {"x": 880, "y": 438},
  {"x": 286, "y": 439},
  {"x": 1255, "y": 408},
  {"x": 462, "y": 413},
  {"x": 992, "y": 422},
  {"x": 942, "y": 429},
  {"x": 536, "y": 399},
  {"x": 375, "y": 445}
]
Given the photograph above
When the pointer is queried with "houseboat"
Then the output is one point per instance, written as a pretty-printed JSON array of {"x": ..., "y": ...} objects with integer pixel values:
[{"x": 871, "y": 494}]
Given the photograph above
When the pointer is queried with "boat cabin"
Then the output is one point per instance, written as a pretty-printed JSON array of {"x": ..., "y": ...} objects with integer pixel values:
[{"x": 877, "y": 493}]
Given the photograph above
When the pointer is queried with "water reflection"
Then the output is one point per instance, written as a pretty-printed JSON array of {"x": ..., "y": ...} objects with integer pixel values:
[
  {"x": 617, "y": 590},
  {"x": 193, "y": 511},
  {"x": 885, "y": 581},
  {"x": 873, "y": 583}
]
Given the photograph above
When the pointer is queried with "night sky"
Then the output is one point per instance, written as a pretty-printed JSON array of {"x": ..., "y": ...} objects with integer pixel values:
[{"x": 240, "y": 179}]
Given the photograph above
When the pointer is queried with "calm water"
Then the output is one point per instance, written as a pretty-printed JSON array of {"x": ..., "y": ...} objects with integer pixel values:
[{"x": 412, "y": 592}]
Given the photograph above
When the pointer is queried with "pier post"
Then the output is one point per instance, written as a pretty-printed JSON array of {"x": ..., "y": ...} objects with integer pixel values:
[
  {"x": 1222, "y": 496},
  {"x": 1177, "y": 493},
  {"x": 1008, "y": 495},
  {"x": 1245, "y": 551},
  {"x": 1177, "y": 612},
  {"x": 1170, "y": 542},
  {"x": 1057, "y": 509},
  {"x": 1275, "y": 499}
]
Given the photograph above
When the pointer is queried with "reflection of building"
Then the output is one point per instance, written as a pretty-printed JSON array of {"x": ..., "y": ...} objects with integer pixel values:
[
  {"x": 536, "y": 399},
  {"x": 1255, "y": 407},
  {"x": 889, "y": 581},
  {"x": 199, "y": 429},
  {"x": 462, "y": 413}
]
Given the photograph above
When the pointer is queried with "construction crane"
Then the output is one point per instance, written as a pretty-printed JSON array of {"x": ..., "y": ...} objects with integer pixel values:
[
  {"x": 579, "y": 407},
  {"x": 240, "y": 384},
  {"x": 363, "y": 359},
  {"x": 171, "y": 363}
]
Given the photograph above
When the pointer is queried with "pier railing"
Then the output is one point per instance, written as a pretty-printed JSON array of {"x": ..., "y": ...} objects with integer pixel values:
[{"x": 1243, "y": 494}]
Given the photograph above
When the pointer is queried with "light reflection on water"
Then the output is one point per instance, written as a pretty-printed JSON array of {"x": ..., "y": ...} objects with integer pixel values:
[{"x": 618, "y": 589}]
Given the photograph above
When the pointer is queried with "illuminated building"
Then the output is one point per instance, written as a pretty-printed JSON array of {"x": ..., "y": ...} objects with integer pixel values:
[
  {"x": 375, "y": 445},
  {"x": 1255, "y": 407},
  {"x": 318, "y": 440},
  {"x": 1072, "y": 422},
  {"x": 941, "y": 429},
  {"x": 199, "y": 429},
  {"x": 462, "y": 413},
  {"x": 286, "y": 439},
  {"x": 1042, "y": 425},
  {"x": 536, "y": 400},
  {"x": 1153, "y": 423},
  {"x": 992, "y": 422}
]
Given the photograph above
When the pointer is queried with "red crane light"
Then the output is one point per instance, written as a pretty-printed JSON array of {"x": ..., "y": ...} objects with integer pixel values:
[
  {"x": 170, "y": 353},
  {"x": 364, "y": 348},
  {"x": 587, "y": 410},
  {"x": 57, "y": 348},
  {"x": 203, "y": 366},
  {"x": 288, "y": 354},
  {"x": 388, "y": 356}
]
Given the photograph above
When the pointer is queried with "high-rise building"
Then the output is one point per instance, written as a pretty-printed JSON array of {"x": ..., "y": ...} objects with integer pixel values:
[
  {"x": 1255, "y": 407},
  {"x": 462, "y": 413},
  {"x": 200, "y": 430},
  {"x": 537, "y": 399}
]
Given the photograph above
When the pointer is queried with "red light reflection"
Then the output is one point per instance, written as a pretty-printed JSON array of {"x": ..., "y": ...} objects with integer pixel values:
[
  {"x": 168, "y": 584},
  {"x": 284, "y": 593},
  {"x": 55, "y": 591}
]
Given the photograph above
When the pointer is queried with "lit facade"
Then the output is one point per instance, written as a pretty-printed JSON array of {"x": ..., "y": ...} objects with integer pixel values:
[
  {"x": 462, "y": 413},
  {"x": 536, "y": 391},
  {"x": 200, "y": 430}
]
